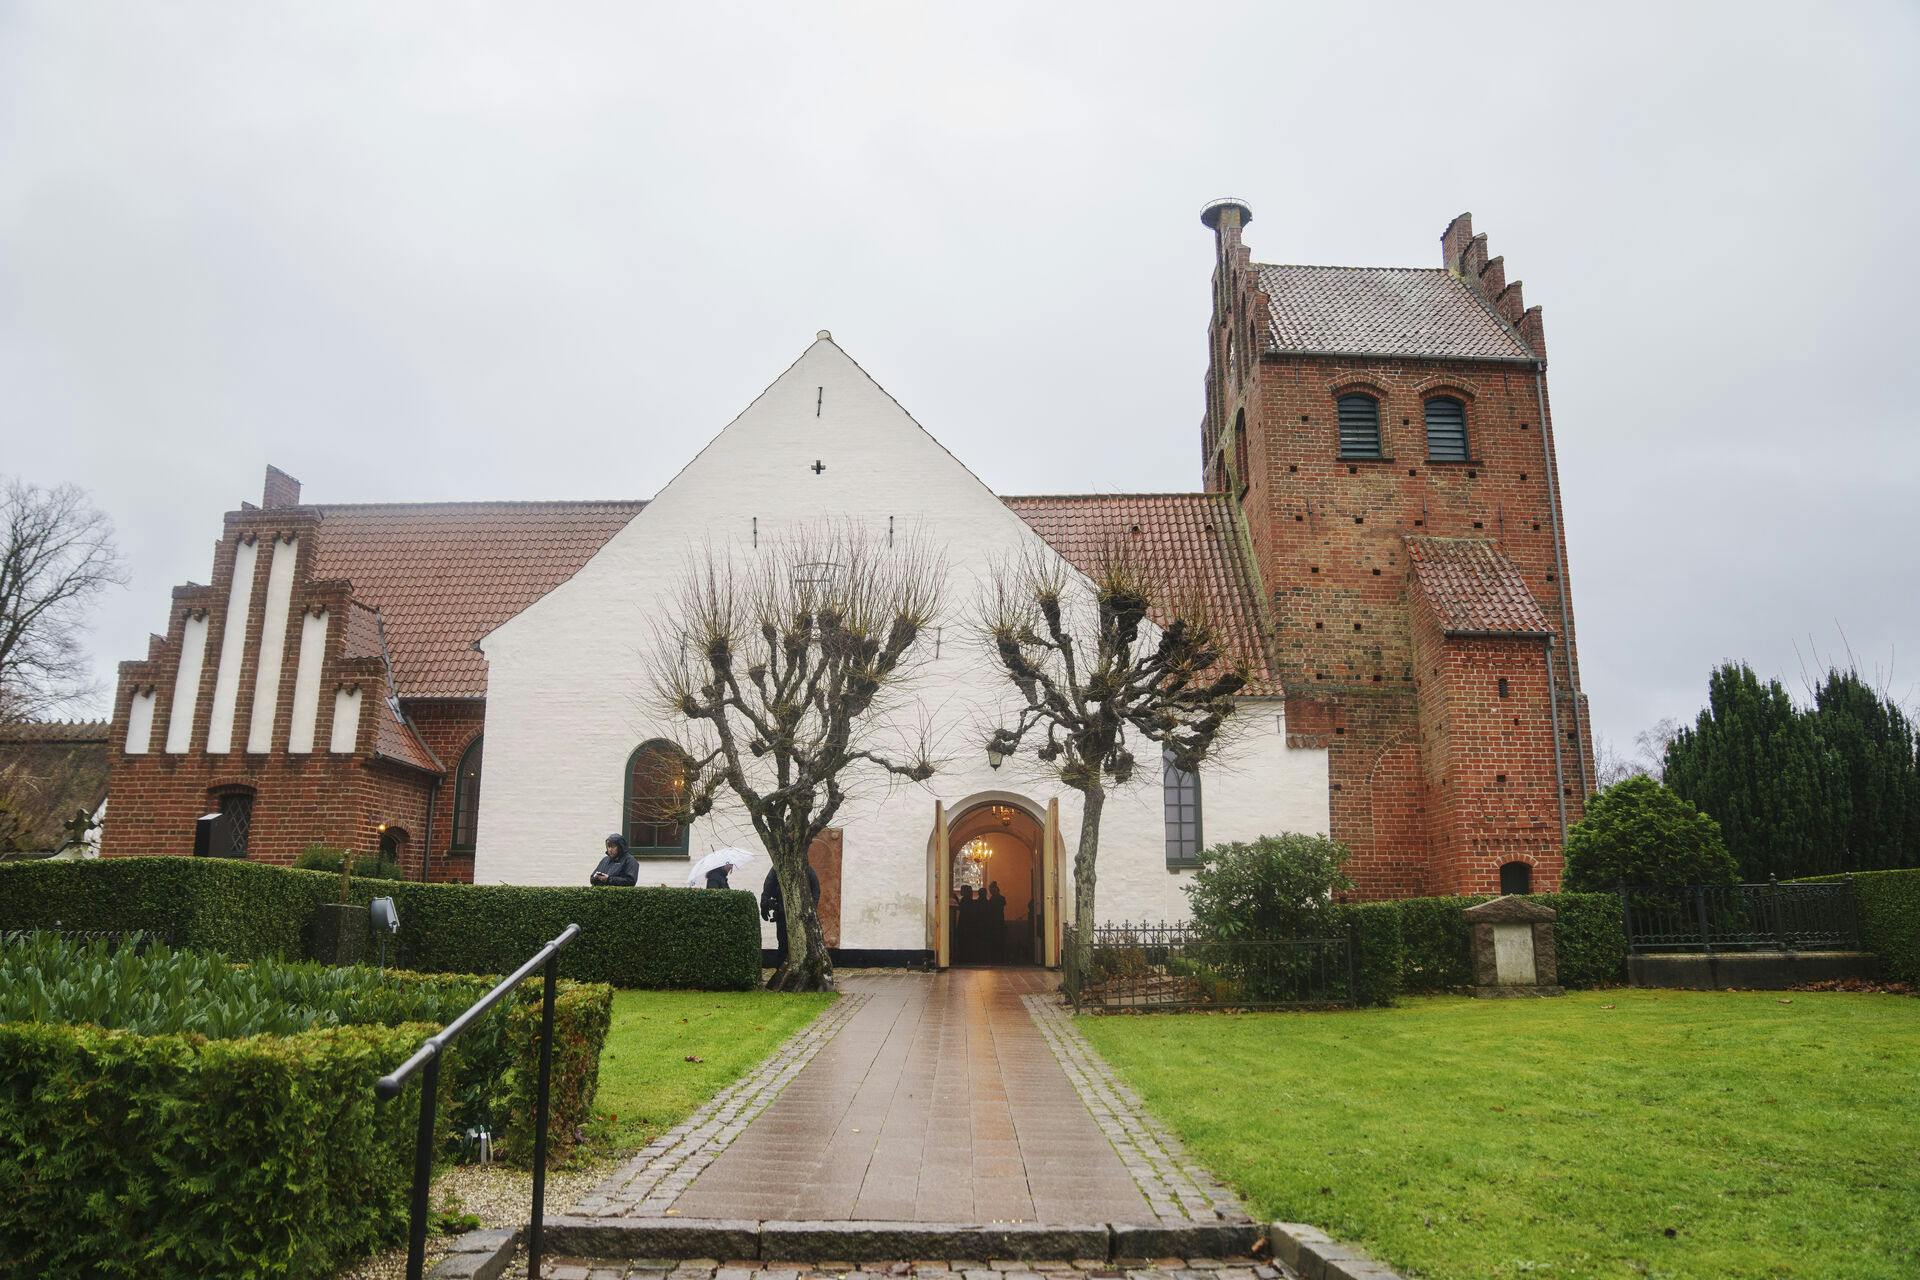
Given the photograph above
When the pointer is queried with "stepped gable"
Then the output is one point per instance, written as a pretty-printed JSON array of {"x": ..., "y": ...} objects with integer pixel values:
[
  {"x": 1183, "y": 537},
  {"x": 1386, "y": 311},
  {"x": 443, "y": 574},
  {"x": 1473, "y": 589}
]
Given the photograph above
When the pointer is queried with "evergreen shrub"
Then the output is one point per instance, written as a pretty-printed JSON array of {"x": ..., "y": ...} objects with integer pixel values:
[
  {"x": 1639, "y": 833},
  {"x": 126, "y": 1155},
  {"x": 1889, "y": 905},
  {"x": 323, "y": 857},
  {"x": 643, "y": 937}
]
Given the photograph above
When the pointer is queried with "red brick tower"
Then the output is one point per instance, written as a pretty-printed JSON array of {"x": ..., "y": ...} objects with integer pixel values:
[{"x": 1385, "y": 435}]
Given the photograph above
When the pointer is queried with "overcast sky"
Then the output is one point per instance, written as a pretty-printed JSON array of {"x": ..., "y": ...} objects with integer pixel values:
[{"x": 545, "y": 251}]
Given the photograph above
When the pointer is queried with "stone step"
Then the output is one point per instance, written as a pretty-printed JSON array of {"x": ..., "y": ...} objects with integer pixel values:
[{"x": 587, "y": 1237}]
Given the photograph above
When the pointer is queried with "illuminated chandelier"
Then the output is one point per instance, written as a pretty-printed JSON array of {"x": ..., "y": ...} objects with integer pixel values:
[
  {"x": 1004, "y": 813},
  {"x": 977, "y": 851}
]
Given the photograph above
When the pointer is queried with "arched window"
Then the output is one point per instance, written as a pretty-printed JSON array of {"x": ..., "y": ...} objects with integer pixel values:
[
  {"x": 1359, "y": 417},
  {"x": 656, "y": 785},
  {"x": 1516, "y": 877},
  {"x": 466, "y": 798},
  {"x": 1180, "y": 798},
  {"x": 393, "y": 844},
  {"x": 1446, "y": 430},
  {"x": 1241, "y": 476}
]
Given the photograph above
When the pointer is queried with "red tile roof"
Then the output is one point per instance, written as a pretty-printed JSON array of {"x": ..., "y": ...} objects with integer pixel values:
[
  {"x": 394, "y": 739},
  {"x": 1383, "y": 311},
  {"x": 1185, "y": 537},
  {"x": 443, "y": 574},
  {"x": 1473, "y": 588}
]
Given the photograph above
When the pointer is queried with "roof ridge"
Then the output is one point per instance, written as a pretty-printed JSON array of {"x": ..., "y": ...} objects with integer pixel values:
[
  {"x": 1335, "y": 266},
  {"x": 476, "y": 502},
  {"x": 1171, "y": 493}
]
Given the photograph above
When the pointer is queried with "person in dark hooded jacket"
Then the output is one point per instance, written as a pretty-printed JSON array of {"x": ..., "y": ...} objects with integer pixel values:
[
  {"x": 773, "y": 904},
  {"x": 618, "y": 867}
]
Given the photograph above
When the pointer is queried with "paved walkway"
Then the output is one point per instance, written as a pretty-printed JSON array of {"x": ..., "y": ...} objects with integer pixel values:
[{"x": 954, "y": 1097}]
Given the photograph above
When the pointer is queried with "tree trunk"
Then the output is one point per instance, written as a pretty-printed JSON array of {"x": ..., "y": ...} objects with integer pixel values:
[
  {"x": 1083, "y": 880},
  {"x": 806, "y": 966}
]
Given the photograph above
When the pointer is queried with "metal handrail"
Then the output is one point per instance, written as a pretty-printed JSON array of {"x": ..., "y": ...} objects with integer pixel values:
[{"x": 427, "y": 1058}]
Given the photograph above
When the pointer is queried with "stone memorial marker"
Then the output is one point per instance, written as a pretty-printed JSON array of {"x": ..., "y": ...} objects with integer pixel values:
[{"x": 1513, "y": 948}]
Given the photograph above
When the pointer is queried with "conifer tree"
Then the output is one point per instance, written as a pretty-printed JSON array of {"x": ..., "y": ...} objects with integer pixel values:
[
  {"x": 1878, "y": 755},
  {"x": 1754, "y": 764}
]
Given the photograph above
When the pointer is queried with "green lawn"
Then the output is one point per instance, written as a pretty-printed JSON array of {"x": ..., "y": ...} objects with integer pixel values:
[
  {"x": 1606, "y": 1133},
  {"x": 646, "y": 1083}
]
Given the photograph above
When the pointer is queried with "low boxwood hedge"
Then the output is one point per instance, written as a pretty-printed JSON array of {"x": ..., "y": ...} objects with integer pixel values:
[
  {"x": 644, "y": 937},
  {"x": 126, "y": 1155},
  {"x": 1889, "y": 905}
]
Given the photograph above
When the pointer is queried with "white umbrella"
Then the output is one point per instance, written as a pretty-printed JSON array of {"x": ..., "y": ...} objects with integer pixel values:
[{"x": 728, "y": 858}]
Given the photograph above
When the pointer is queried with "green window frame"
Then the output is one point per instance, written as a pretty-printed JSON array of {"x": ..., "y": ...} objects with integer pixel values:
[
  {"x": 1358, "y": 415},
  {"x": 1447, "y": 430},
  {"x": 466, "y": 797},
  {"x": 655, "y": 771}
]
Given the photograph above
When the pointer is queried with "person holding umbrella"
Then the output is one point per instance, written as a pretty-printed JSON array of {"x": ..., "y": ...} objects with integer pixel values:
[
  {"x": 711, "y": 872},
  {"x": 773, "y": 904},
  {"x": 618, "y": 867}
]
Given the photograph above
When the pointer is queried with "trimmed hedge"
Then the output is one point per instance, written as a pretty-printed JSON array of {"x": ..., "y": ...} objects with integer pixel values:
[
  {"x": 1589, "y": 938},
  {"x": 1373, "y": 931},
  {"x": 645, "y": 937},
  {"x": 134, "y": 1156},
  {"x": 1889, "y": 918},
  {"x": 244, "y": 910}
]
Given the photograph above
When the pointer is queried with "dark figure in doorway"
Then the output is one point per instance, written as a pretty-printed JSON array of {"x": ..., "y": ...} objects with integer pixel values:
[
  {"x": 965, "y": 945},
  {"x": 993, "y": 919},
  {"x": 773, "y": 905}
]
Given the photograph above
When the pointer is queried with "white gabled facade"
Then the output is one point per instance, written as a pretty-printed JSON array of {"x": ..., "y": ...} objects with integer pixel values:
[{"x": 567, "y": 699}]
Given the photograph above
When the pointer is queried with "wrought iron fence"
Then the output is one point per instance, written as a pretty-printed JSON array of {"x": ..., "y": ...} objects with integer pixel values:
[
  {"x": 1742, "y": 917},
  {"x": 1173, "y": 966}
]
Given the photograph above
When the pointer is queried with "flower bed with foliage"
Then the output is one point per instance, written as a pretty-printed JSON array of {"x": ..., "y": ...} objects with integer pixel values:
[
  {"x": 177, "y": 1114},
  {"x": 645, "y": 937}
]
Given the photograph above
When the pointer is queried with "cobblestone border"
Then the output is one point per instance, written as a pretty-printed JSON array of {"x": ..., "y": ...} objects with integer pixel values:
[
  {"x": 1178, "y": 1189},
  {"x": 647, "y": 1185}
]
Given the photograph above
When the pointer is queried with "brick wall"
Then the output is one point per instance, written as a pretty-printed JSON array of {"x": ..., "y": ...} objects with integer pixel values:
[{"x": 1415, "y": 739}]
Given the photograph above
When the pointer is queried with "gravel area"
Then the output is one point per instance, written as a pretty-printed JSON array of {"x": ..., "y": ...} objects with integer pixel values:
[{"x": 497, "y": 1194}]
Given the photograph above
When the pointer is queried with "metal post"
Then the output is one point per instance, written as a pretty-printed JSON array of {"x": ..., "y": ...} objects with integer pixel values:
[
  {"x": 422, "y": 1170},
  {"x": 1626, "y": 916},
  {"x": 536, "y": 1226},
  {"x": 1779, "y": 921},
  {"x": 1853, "y": 912},
  {"x": 1700, "y": 905}
]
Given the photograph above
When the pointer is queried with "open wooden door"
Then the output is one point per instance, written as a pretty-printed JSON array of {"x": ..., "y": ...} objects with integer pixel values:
[
  {"x": 939, "y": 889},
  {"x": 1051, "y": 868}
]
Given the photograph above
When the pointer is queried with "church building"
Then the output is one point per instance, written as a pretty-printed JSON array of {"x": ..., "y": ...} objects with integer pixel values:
[{"x": 462, "y": 687}]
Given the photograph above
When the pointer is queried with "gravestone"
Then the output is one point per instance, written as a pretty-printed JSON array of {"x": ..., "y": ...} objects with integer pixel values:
[{"x": 1513, "y": 948}]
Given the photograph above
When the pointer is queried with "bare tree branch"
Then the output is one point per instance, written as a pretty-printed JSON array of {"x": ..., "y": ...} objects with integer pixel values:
[
  {"x": 57, "y": 553},
  {"x": 785, "y": 665}
]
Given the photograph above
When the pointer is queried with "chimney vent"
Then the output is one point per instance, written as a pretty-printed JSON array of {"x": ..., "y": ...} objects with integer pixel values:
[{"x": 282, "y": 490}]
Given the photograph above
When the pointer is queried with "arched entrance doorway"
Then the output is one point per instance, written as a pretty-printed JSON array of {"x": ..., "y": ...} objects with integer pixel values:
[{"x": 996, "y": 904}]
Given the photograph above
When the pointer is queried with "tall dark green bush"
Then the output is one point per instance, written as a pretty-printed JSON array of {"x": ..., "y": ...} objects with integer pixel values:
[
  {"x": 1372, "y": 930},
  {"x": 1754, "y": 764},
  {"x": 1637, "y": 832},
  {"x": 124, "y": 1155},
  {"x": 1877, "y": 751}
]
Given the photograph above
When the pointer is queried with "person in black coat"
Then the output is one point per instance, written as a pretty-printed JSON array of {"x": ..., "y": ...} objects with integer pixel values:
[
  {"x": 618, "y": 867},
  {"x": 773, "y": 904},
  {"x": 717, "y": 878}
]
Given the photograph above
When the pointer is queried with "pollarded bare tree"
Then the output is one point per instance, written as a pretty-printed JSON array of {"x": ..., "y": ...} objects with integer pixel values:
[
  {"x": 1122, "y": 651},
  {"x": 57, "y": 554},
  {"x": 788, "y": 664}
]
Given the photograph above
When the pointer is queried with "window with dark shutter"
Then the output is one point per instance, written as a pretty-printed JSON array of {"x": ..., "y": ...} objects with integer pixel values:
[
  {"x": 1359, "y": 426},
  {"x": 466, "y": 799},
  {"x": 1446, "y": 430},
  {"x": 1241, "y": 477},
  {"x": 1180, "y": 796},
  {"x": 236, "y": 825},
  {"x": 1516, "y": 877}
]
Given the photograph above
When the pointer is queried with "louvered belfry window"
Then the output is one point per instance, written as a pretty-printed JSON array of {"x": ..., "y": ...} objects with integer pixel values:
[
  {"x": 1446, "y": 430},
  {"x": 1359, "y": 426}
]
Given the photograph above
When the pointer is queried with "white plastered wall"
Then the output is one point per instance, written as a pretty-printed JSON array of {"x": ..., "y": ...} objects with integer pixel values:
[
  {"x": 233, "y": 650},
  {"x": 566, "y": 691}
]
